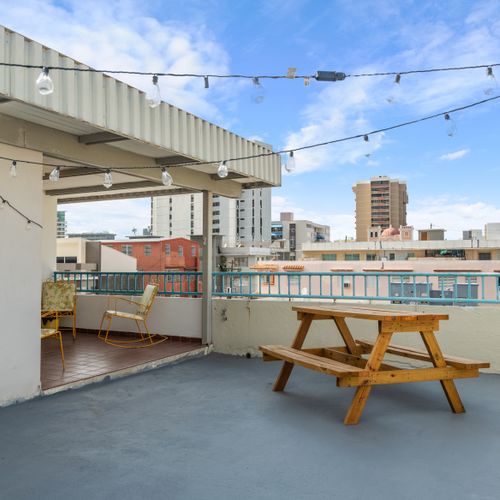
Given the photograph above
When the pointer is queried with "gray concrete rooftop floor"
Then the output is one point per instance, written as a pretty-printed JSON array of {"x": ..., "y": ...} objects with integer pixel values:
[{"x": 211, "y": 428}]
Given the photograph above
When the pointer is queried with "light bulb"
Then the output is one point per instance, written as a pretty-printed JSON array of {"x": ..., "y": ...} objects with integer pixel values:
[
  {"x": 28, "y": 225},
  {"x": 166, "y": 178},
  {"x": 3, "y": 203},
  {"x": 492, "y": 82},
  {"x": 44, "y": 83},
  {"x": 153, "y": 95},
  {"x": 290, "y": 164},
  {"x": 108, "y": 179},
  {"x": 396, "y": 90},
  {"x": 13, "y": 168},
  {"x": 451, "y": 126},
  {"x": 258, "y": 91},
  {"x": 207, "y": 83},
  {"x": 54, "y": 175},
  {"x": 222, "y": 171}
]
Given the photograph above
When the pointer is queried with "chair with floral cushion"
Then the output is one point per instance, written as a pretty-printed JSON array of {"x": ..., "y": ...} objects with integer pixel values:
[
  {"x": 139, "y": 315},
  {"x": 59, "y": 298}
]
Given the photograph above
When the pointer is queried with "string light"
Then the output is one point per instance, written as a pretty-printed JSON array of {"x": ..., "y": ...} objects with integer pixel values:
[
  {"x": 29, "y": 223},
  {"x": 108, "y": 179},
  {"x": 272, "y": 153},
  {"x": 222, "y": 171},
  {"x": 291, "y": 73},
  {"x": 492, "y": 82},
  {"x": 166, "y": 178},
  {"x": 366, "y": 138},
  {"x": 153, "y": 95},
  {"x": 13, "y": 168},
  {"x": 290, "y": 164},
  {"x": 44, "y": 83},
  {"x": 395, "y": 90},
  {"x": 259, "y": 93},
  {"x": 54, "y": 175},
  {"x": 451, "y": 127},
  {"x": 207, "y": 83}
]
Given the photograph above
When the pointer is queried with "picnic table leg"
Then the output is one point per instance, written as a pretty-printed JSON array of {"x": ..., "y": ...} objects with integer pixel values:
[
  {"x": 286, "y": 369},
  {"x": 437, "y": 358},
  {"x": 373, "y": 364},
  {"x": 352, "y": 348}
]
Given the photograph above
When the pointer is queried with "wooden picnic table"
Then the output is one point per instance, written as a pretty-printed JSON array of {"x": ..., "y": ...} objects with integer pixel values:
[{"x": 352, "y": 370}]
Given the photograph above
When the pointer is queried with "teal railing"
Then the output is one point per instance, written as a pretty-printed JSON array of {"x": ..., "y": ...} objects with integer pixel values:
[{"x": 396, "y": 287}]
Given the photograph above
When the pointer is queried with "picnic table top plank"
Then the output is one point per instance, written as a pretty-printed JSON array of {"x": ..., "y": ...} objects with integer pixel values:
[{"x": 368, "y": 313}]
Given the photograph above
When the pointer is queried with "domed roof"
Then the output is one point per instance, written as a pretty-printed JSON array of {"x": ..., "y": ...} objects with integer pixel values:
[{"x": 390, "y": 231}]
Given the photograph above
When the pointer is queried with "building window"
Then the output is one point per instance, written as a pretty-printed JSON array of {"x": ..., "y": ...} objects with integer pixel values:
[
  {"x": 127, "y": 249},
  {"x": 329, "y": 256},
  {"x": 215, "y": 221},
  {"x": 484, "y": 255},
  {"x": 147, "y": 250},
  {"x": 352, "y": 256},
  {"x": 167, "y": 249},
  {"x": 371, "y": 256},
  {"x": 193, "y": 251},
  {"x": 180, "y": 250}
]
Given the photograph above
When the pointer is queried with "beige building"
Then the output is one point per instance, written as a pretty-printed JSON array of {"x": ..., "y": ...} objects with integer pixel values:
[
  {"x": 380, "y": 203},
  {"x": 388, "y": 250}
]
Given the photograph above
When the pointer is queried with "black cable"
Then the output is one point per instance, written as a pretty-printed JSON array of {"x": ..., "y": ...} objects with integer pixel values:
[
  {"x": 213, "y": 75},
  {"x": 4, "y": 202}
]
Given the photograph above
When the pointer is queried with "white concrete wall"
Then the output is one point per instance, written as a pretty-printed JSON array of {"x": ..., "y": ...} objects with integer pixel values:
[
  {"x": 176, "y": 316},
  {"x": 72, "y": 247},
  {"x": 49, "y": 236},
  {"x": 240, "y": 326},
  {"x": 115, "y": 261},
  {"x": 20, "y": 278}
]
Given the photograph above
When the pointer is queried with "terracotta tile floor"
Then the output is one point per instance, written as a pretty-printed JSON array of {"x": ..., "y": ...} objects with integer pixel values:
[{"x": 88, "y": 356}]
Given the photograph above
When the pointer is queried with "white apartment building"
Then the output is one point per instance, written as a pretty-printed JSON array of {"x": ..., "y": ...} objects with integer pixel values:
[
  {"x": 288, "y": 236},
  {"x": 244, "y": 221}
]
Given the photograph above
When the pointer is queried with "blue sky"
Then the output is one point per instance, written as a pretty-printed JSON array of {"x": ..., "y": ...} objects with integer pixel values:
[{"x": 452, "y": 182}]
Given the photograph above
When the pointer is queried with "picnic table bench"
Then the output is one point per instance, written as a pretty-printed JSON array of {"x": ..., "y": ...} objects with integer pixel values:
[{"x": 353, "y": 370}]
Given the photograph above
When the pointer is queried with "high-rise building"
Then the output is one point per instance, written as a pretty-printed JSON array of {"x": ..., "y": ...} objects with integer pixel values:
[
  {"x": 245, "y": 221},
  {"x": 62, "y": 225},
  {"x": 381, "y": 203}
]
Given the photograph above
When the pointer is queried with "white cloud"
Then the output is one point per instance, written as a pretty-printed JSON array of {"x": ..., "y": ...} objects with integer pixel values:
[
  {"x": 358, "y": 105},
  {"x": 455, "y": 155},
  {"x": 120, "y": 216},
  {"x": 454, "y": 216},
  {"x": 120, "y": 35}
]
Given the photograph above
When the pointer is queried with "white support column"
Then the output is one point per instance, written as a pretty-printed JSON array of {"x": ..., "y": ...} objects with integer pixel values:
[
  {"x": 206, "y": 316},
  {"x": 49, "y": 236}
]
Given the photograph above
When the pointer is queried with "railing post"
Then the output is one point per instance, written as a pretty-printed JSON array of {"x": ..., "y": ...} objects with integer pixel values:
[{"x": 206, "y": 316}]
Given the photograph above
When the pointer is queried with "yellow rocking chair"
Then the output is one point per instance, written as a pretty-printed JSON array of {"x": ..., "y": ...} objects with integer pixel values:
[{"x": 145, "y": 339}]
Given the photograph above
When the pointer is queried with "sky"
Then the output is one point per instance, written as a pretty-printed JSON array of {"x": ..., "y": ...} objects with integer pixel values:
[{"x": 452, "y": 181}]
